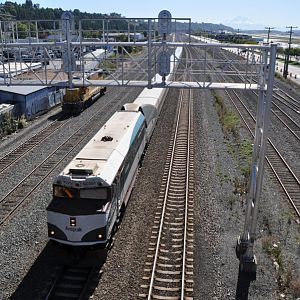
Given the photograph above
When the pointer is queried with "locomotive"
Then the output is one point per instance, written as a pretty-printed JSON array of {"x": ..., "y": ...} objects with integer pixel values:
[
  {"x": 91, "y": 193},
  {"x": 77, "y": 99}
]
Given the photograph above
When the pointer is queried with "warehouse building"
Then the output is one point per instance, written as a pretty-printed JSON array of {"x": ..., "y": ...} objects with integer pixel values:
[{"x": 31, "y": 101}]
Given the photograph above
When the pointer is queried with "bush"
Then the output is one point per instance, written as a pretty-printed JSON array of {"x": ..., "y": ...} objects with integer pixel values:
[
  {"x": 230, "y": 122},
  {"x": 9, "y": 124}
]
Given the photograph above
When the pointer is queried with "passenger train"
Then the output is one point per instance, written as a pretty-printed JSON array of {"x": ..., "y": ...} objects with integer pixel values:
[{"x": 93, "y": 190}]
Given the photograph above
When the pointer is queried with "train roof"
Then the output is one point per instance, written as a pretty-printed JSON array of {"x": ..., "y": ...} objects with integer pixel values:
[
  {"x": 105, "y": 152},
  {"x": 149, "y": 97},
  {"x": 150, "y": 93}
]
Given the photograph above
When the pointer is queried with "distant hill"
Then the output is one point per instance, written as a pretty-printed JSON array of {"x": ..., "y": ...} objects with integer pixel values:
[
  {"x": 29, "y": 11},
  {"x": 210, "y": 27}
]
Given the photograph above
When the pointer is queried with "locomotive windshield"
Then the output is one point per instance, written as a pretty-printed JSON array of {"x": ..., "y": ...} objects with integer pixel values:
[
  {"x": 79, "y": 201},
  {"x": 71, "y": 193},
  {"x": 64, "y": 192},
  {"x": 100, "y": 194}
]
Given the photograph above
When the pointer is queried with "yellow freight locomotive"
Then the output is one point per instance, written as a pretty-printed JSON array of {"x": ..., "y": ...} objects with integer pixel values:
[{"x": 77, "y": 99}]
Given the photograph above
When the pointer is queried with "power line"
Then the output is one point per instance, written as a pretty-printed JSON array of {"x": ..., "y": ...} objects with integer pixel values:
[{"x": 287, "y": 55}]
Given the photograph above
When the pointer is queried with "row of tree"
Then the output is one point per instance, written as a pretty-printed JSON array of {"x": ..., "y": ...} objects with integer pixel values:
[
  {"x": 228, "y": 37},
  {"x": 293, "y": 51},
  {"x": 29, "y": 11}
]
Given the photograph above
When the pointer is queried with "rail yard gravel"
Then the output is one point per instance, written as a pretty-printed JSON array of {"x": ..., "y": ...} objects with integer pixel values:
[
  {"x": 28, "y": 261},
  {"x": 23, "y": 239}
]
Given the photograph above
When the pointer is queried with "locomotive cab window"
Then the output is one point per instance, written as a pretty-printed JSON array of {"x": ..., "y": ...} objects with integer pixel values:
[
  {"x": 98, "y": 194},
  {"x": 64, "y": 192}
]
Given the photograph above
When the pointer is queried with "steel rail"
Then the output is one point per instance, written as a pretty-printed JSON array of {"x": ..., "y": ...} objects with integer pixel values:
[
  {"x": 295, "y": 202},
  {"x": 165, "y": 200},
  {"x": 173, "y": 163},
  {"x": 14, "y": 155},
  {"x": 76, "y": 279}
]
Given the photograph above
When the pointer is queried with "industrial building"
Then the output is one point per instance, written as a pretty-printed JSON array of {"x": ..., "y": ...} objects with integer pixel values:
[{"x": 31, "y": 101}]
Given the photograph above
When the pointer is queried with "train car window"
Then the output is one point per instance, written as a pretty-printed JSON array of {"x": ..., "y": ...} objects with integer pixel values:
[
  {"x": 63, "y": 192},
  {"x": 114, "y": 188},
  {"x": 100, "y": 194}
]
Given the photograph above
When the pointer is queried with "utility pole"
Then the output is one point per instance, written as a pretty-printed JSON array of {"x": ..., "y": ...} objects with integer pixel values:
[
  {"x": 287, "y": 56},
  {"x": 269, "y": 30}
]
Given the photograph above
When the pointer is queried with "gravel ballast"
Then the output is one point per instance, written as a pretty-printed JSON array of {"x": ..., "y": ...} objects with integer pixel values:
[{"x": 28, "y": 261}]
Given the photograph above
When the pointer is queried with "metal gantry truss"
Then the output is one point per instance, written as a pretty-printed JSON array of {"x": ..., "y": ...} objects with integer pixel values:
[{"x": 65, "y": 52}]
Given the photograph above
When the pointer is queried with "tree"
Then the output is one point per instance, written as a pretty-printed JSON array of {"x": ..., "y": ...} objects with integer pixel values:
[
  {"x": 22, "y": 30},
  {"x": 28, "y": 4}
]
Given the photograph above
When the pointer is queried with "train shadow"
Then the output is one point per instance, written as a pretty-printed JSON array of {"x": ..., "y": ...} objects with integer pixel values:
[
  {"x": 243, "y": 285},
  {"x": 39, "y": 279},
  {"x": 59, "y": 116}
]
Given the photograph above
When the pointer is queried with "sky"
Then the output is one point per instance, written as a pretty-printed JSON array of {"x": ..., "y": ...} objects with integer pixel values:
[{"x": 273, "y": 13}]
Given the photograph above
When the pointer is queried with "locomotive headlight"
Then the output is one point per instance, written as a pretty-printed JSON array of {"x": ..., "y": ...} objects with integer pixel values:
[
  {"x": 52, "y": 232},
  {"x": 100, "y": 236},
  {"x": 73, "y": 222}
]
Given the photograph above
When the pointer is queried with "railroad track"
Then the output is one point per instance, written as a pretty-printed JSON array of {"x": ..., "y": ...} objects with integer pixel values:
[
  {"x": 71, "y": 282},
  {"x": 14, "y": 198},
  {"x": 290, "y": 101},
  {"x": 284, "y": 174},
  {"x": 284, "y": 117},
  {"x": 13, "y": 156},
  {"x": 169, "y": 267},
  {"x": 282, "y": 171}
]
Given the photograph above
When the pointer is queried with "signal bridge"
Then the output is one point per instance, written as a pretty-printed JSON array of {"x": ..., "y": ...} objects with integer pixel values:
[
  {"x": 65, "y": 52},
  {"x": 58, "y": 52}
]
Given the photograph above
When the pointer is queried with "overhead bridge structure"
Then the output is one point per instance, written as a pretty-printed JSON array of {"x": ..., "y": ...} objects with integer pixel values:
[{"x": 63, "y": 53}]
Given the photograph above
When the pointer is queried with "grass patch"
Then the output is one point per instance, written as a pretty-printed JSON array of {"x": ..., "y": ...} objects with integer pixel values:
[
  {"x": 109, "y": 66},
  {"x": 245, "y": 154},
  {"x": 229, "y": 120},
  {"x": 223, "y": 177},
  {"x": 240, "y": 151},
  {"x": 286, "y": 283},
  {"x": 294, "y": 63},
  {"x": 273, "y": 249}
]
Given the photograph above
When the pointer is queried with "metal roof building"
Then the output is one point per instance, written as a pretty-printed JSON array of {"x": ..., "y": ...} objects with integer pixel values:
[{"x": 31, "y": 100}]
